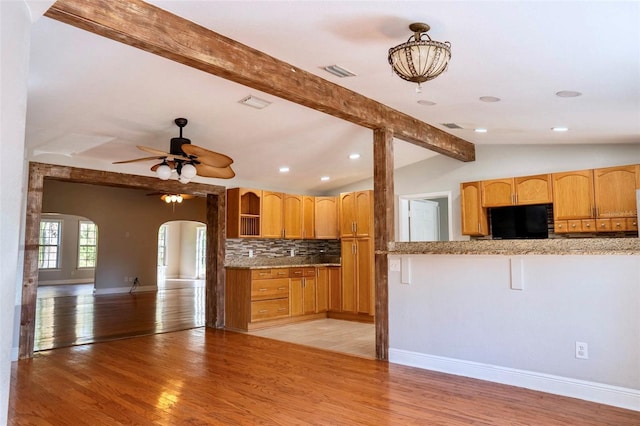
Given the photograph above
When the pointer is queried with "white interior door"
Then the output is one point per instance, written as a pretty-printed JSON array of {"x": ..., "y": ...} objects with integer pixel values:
[{"x": 424, "y": 220}]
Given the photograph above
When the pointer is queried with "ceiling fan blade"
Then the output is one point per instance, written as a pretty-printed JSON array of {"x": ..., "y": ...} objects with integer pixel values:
[
  {"x": 205, "y": 156},
  {"x": 161, "y": 153},
  {"x": 171, "y": 164},
  {"x": 138, "y": 159},
  {"x": 205, "y": 170}
]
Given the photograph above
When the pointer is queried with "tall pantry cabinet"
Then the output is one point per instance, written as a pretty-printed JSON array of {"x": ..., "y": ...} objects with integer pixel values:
[{"x": 356, "y": 234}]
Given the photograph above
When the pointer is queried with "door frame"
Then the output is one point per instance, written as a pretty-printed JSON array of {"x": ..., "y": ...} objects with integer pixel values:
[
  {"x": 427, "y": 196},
  {"x": 216, "y": 236}
]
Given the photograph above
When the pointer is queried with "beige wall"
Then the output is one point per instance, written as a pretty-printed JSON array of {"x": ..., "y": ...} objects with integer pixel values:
[{"x": 128, "y": 221}]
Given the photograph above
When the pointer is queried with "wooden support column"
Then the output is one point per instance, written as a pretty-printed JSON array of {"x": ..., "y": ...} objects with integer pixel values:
[
  {"x": 384, "y": 226},
  {"x": 215, "y": 282},
  {"x": 35, "y": 188}
]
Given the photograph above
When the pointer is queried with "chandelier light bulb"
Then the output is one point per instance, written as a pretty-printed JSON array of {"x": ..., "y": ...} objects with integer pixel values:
[
  {"x": 188, "y": 171},
  {"x": 163, "y": 171},
  {"x": 179, "y": 198},
  {"x": 167, "y": 199}
]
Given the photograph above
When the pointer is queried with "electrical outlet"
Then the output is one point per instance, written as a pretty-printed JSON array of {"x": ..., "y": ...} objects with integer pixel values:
[
  {"x": 250, "y": 253},
  {"x": 293, "y": 252},
  {"x": 394, "y": 265},
  {"x": 582, "y": 350}
]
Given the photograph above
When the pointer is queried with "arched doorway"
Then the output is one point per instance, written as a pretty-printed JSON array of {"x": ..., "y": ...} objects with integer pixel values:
[{"x": 181, "y": 254}]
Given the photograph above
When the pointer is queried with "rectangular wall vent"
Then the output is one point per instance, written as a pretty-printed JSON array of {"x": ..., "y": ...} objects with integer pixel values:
[{"x": 451, "y": 125}]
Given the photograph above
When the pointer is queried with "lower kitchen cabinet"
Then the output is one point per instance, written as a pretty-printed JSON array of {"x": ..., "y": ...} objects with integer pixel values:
[{"x": 258, "y": 298}]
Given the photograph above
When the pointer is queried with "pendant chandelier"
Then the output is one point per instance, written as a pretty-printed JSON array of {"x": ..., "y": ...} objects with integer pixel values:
[{"x": 420, "y": 59}]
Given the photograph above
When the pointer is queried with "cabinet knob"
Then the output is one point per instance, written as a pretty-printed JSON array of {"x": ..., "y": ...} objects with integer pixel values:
[
  {"x": 573, "y": 225},
  {"x": 588, "y": 225},
  {"x": 560, "y": 226}
]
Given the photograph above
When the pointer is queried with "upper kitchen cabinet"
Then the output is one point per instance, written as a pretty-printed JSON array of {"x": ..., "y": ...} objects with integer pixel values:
[
  {"x": 243, "y": 213},
  {"x": 615, "y": 192},
  {"x": 308, "y": 217},
  {"x": 272, "y": 214},
  {"x": 474, "y": 216},
  {"x": 523, "y": 190},
  {"x": 292, "y": 216},
  {"x": 356, "y": 214},
  {"x": 326, "y": 218},
  {"x": 573, "y": 195}
]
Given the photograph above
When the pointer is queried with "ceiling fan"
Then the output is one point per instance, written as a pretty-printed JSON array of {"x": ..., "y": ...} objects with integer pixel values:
[
  {"x": 172, "y": 198},
  {"x": 186, "y": 160}
]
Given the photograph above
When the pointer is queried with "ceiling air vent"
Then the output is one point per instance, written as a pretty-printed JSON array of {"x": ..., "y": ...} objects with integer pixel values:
[
  {"x": 451, "y": 125},
  {"x": 337, "y": 70}
]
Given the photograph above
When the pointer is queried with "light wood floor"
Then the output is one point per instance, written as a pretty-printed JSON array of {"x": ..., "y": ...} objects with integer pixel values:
[
  {"x": 215, "y": 377},
  {"x": 354, "y": 338}
]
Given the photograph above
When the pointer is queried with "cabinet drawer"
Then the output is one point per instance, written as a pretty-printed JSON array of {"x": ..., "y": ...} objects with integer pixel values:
[
  {"x": 619, "y": 224},
  {"x": 632, "y": 224},
  {"x": 302, "y": 272},
  {"x": 265, "y": 274},
  {"x": 588, "y": 225},
  {"x": 269, "y": 289},
  {"x": 269, "y": 309},
  {"x": 574, "y": 226},
  {"x": 604, "y": 225},
  {"x": 560, "y": 227}
]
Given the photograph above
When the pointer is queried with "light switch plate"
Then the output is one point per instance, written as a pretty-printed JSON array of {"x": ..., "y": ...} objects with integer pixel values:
[{"x": 394, "y": 265}]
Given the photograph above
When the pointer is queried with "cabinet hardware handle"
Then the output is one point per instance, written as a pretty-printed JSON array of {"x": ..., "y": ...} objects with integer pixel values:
[
  {"x": 573, "y": 225},
  {"x": 560, "y": 226},
  {"x": 353, "y": 227},
  {"x": 618, "y": 224},
  {"x": 262, "y": 311},
  {"x": 262, "y": 289},
  {"x": 282, "y": 309},
  {"x": 588, "y": 225},
  {"x": 282, "y": 288}
]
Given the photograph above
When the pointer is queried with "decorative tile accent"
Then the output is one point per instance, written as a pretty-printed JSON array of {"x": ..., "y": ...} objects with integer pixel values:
[{"x": 274, "y": 248}]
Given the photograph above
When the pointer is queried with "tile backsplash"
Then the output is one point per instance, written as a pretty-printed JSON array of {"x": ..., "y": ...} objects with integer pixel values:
[{"x": 272, "y": 248}]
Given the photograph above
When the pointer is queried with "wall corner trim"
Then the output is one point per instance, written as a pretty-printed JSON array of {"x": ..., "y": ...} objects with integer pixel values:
[{"x": 565, "y": 386}]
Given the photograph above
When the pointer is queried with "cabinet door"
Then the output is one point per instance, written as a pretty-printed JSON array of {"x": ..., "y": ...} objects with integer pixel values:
[
  {"x": 615, "y": 192},
  {"x": 292, "y": 216},
  {"x": 347, "y": 209},
  {"x": 364, "y": 214},
  {"x": 296, "y": 296},
  {"x": 573, "y": 195},
  {"x": 533, "y": 189},
  {"x": 309, "y": 296},
  {"x": 272, "y": 218},
  {"x": 326, "y": 218},
  {"x": 497, "y": 192},
  {"x": 474, "y": 217},
  {"x": 335, "y": 289},
  {"x": 308, "y": 217},
  {"x": 348, "y": 294},
  {"x": 364, "y": 275},
  {"x": 322, "y": 289}
]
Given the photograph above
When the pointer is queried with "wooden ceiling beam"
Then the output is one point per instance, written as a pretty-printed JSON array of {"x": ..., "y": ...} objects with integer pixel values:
[{"x": 157, "y": 31}]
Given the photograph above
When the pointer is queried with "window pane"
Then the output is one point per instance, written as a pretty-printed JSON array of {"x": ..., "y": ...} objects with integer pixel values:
[
  {"x": 87, "y": 244},
  {"x": 49, "y": 244}
]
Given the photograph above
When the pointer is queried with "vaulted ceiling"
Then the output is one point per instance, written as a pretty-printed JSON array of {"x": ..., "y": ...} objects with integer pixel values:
[{"x": 92, "y": 100}]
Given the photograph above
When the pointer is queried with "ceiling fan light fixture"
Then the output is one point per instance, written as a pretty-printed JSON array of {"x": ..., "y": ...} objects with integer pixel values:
[
  {"x": 188, "y": 171},
  {"x": 184, "y": 180},
  {"x": 420, "y": 59},
  {"x": 163, "y": 171}
]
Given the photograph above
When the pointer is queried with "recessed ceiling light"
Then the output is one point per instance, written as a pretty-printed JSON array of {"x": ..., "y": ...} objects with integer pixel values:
[
  {"x": 284, "y": 169},
  {"x": 426, "y": 102},
  {"x": 325, "y": 178},
  {"x": 568, "y": 94},
  {"x": 480, "y": 130},
  {"x": 354, "y": 156},
  {"x": 489, "y": 99},
  {"x": 338, "y": 71},
  {"x": 559, "y": 129},
  {"x": 254, "y": 102}
]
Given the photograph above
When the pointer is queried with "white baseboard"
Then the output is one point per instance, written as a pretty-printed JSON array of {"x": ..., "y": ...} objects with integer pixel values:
[
  {"x": 581, "y": 389},
  {"x": 62, "y": 282},
  {"x": 115, "y": 290}
]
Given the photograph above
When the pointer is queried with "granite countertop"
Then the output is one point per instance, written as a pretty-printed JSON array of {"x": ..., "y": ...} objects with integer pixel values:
[
  {"x": 281, "y": 262},
  {"x": 557, "y": 246}
]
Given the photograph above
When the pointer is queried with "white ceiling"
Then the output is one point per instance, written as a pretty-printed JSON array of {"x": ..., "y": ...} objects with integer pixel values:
[{"x": 92, "y": 100}]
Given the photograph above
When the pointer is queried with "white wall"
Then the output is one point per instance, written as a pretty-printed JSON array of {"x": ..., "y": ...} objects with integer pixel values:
[
  {"x": 181, "y": 249},
  {"x": 15, "y": 24},
  {"x": 460, "y": 315}
]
